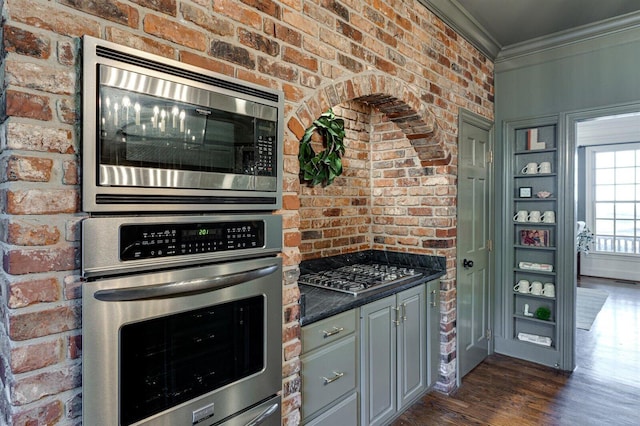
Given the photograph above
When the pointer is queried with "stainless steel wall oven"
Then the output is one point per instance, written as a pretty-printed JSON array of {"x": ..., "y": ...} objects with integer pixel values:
[
  {"x": 182, "y": 320},
  {"x": 162, "y": 135}
]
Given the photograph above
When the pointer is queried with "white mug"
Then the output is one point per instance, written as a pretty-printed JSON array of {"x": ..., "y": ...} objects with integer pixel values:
[
  {"x": 544, "y": 167},
  {"x": 521, "y": 216},
  {"x": 522, "y": 286},
  {"x": 549, "y": 217},
  {"x": 536, "y": 288},
  {"x": 549, "y": 290},
  {"x": 534, "y": 216},
  {"x": 530, "y": 169}
]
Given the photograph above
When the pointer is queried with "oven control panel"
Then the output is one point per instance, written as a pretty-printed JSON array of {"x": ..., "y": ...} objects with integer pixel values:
[{"x": 161, "y": 240}]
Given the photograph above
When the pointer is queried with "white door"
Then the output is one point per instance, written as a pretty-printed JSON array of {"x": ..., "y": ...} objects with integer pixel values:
[{"x": 474, "y": 235}]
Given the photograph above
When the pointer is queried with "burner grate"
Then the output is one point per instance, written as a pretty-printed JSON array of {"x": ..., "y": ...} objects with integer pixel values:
[{"x": 359, "y": 278}]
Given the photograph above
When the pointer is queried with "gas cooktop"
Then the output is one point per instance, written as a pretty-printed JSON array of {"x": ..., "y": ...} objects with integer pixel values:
[{"x": 359, "y": 278}]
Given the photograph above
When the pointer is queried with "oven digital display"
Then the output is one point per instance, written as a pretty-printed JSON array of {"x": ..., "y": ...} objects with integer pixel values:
[{"x": 162, "y": 240}]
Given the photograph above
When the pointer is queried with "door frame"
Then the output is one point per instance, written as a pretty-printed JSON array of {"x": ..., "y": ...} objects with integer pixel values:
[{"x": 467, "y": 117}]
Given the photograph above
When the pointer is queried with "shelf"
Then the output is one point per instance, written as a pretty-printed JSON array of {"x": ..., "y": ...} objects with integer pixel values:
[
  {"x": 535, "y": 151},
  {"x": 537, "y": 175},
  {"x": 535, "y": 271},
  {"x": 532, "y": 319},
  {"x": 520, "y": 246},
  {"x": 534, "y": 199},
  {"x": 533, "y": 223},
  {"x": 534, "y": 296}
]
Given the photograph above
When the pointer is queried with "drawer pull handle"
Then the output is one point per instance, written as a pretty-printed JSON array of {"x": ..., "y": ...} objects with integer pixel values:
[
  {"x": 333, "y": 379},
  {"x": 335, "y": 330}
]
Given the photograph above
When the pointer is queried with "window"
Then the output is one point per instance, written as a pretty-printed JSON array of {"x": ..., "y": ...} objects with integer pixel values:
[{"x": 614, "y": 196}]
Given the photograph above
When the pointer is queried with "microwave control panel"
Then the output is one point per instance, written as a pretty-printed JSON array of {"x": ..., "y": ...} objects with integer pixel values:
[
  {"x": 162, "y": 240},
  {"x": 265, "y": 149}
]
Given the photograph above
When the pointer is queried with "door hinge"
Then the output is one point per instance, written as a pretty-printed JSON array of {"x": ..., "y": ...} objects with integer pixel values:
[
  {"x": 488, "y": 334},
  {"x": 490, "y": 157},
  {"x": 490, "y": 245}
]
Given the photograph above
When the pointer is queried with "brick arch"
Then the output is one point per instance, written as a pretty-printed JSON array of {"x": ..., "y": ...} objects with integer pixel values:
[{"x": 404, "y": 105}]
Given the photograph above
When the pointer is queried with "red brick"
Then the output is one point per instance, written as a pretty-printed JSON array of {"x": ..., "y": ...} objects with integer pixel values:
[
  {"x": 36, "y": 356},
  {"x": 30, "y": 137},
  {"x": 212, "y": 23},
  {"x": 26, "y": 261},
  {"x": 31, "y": 388},
  {"x": 25, "y": 293},
  {"x": 28, "y": 169},
  {"x": 42, "y": 201},
  {"x": 296, "y": 57},
  {"x": 239, "y": 13},
  {"x": 38, "y": 76},
  {"x": 70, "y": 169},
  {"x": 66, "y": 53},
  {"x": 266, "y": 6},
  {"x": 29, "y": 325},
  {"x": 66, "y": 111},
  {"x": 206, "y": 63},
  {"x": 174, "y": 32},
  {"x": 277, "y": 69},
  {"x": 75, "y": 346},
  {"x": 44, "y": 16},
  {"x": 27, "y": 43},
  {"x": 135, "y": 41},
  {"x": 112, "y": 10},
  {"x": 164, "y": 6},
  {"x": 49, "y": 413},
  {"x": 258, "y": 42},
  {"x": 28, "y": 232}
]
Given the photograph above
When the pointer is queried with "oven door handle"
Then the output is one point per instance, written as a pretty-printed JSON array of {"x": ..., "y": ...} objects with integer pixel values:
[{"x": 182, "y": 288}]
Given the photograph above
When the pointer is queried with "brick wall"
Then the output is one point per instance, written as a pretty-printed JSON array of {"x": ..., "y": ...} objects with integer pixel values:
[{"x": 390, "y": 64}]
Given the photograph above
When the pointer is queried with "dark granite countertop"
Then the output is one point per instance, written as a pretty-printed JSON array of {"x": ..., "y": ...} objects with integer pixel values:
[{"x": 318, "y": 303}]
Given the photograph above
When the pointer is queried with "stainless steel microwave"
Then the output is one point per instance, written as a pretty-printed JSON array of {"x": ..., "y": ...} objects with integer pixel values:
[{"x": 160, "y": 135}]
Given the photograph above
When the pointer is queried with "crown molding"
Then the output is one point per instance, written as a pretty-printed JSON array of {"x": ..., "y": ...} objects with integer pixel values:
[
  {"x": 454, "y": 15},
  {"x": 602, "y": 34}
]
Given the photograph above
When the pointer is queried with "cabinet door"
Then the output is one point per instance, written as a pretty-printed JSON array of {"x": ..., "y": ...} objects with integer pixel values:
[
  {"x": 412, "y": 335},
  {"x": 343, "y": 413},
  {"x": 433, "y": 332},
  {"x": 378, "y": 361}
]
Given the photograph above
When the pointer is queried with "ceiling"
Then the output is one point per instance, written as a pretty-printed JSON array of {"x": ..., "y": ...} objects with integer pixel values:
[{"x": 493, "y": 25}]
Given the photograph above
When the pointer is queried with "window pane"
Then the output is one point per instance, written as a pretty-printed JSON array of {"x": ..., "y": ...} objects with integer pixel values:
[
  {"x": 604, "y": 159},
  {"x": 638, "y": 171},
  {"x": 625, "y": 228},
  {"x": 625, "y": 158},
  {"x": 604, "y": 211},
  {"x": 625, "y": 211},
  {"x": 604, "y": 227},
  {"x": 605, "y": 176},
  {"x": 605, "y": 192},
  {"x": 625, "y": 192},
  {"x": 624, "y": 245},
  {"x": 624, "y": 175}
]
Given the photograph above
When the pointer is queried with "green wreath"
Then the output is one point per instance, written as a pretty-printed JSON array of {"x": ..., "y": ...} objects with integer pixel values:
[{"x": 326, "y": 165}]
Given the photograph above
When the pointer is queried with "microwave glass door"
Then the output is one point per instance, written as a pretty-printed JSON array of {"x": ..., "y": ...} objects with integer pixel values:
[
  {"x": 169, "y": 360},
  {"x": 149, "y": 123}
]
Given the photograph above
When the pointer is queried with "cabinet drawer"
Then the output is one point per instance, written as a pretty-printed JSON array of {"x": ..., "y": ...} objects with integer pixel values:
[
  {"x": 344, "y": 412},
  {"x": 328, "y": 330},
  {"x": 328, "y": 373}
]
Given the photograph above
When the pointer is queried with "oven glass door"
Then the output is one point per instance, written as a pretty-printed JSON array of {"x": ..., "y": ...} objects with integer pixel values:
[{"x": 170, "y": 360}]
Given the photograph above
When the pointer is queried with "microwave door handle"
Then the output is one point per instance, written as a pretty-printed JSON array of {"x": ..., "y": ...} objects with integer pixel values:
[
  {"x": 263, "y": 416},
  {"x": 182, "y": 288}
]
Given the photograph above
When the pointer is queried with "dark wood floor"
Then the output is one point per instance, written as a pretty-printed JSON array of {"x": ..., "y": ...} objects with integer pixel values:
[{"x": 603, "y": 390}]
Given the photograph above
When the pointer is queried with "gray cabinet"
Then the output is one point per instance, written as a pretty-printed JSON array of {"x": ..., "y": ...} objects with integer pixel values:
[
  {"x": 330, "y": 371},
  {"x": 433, "y": 332},
  {"x": 393, "y": 354}
]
